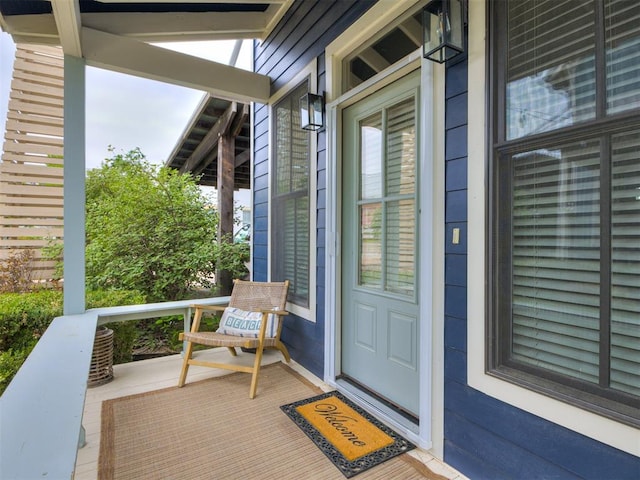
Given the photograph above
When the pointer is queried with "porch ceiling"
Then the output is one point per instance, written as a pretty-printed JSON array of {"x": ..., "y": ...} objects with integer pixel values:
[
  {"x": 197, "y": 149},
  {"x": 117, "y": 35},
  {"x": 39, "y": 21}
]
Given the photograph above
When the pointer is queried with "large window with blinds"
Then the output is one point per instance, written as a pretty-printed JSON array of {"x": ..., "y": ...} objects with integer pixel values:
[
  {"x": 565, "y": 201},
  {"x": 290, "y": 197}
]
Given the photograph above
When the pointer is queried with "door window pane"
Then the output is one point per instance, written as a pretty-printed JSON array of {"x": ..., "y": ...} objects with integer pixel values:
[
  {"x": 400, "y": 248},
  {"x": 387, "y": 172},
  {"x": 370, "y": 267},
  {"x": 371, "y": 157},
  {"x": 401, "y": 149}
]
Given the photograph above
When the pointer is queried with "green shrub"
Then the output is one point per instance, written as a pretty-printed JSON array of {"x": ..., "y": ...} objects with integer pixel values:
[
  {"x": 113, "y": 298},
  {"x": 10, "y": 363},
  {"x": 25, "y": 316},
  {"x": 124, "y": 336}
]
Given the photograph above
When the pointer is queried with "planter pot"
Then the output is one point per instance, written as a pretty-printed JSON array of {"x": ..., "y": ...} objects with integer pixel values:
[{"x": 101, "y": 370}]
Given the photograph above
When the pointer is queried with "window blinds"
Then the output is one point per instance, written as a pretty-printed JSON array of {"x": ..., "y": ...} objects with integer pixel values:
[
  {"x": 556, "y": 259},
  {"x": 557, "y": 249},
  {"x": 551, "y": 81},
  {"x": 550, "y": 74},
  {"x": 400, "y": 181},
  {"x": 625, "y": 263},
  {"x": 622, "y": 18},
  {"x": 290, "y": 207}
]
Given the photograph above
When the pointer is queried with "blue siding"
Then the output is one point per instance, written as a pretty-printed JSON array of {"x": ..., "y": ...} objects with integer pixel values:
[
  {"x": 302, "y": 35},
  {"x": 486, "y": 438}
]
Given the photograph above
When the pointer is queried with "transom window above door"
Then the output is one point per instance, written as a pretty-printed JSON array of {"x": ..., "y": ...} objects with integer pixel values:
[{"x": 401, "y": 38}]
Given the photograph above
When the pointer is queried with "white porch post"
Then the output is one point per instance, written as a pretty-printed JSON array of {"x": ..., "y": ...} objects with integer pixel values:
[{"x": 74, "y": 185}]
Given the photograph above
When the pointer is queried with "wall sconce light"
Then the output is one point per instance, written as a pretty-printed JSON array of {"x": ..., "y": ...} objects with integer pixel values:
[
  {"x": 442, "y": 30},
  {"x": 312, "y": 111}
]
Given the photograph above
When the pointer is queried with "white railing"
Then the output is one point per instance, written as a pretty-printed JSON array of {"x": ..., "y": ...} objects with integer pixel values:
[{"x": 41, "y": 409}]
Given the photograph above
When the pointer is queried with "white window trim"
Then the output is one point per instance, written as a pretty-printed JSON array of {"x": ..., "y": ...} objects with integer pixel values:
[
  {"x": 431, "y": 281},
  {"x": 610, "y": 432},
  {"x": 310, "y": 71}
]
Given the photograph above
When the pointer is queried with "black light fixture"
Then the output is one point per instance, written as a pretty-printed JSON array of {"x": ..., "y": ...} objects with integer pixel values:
[
  {"x": 442, "y": 30},
  {"x": 312, "y": 111}
]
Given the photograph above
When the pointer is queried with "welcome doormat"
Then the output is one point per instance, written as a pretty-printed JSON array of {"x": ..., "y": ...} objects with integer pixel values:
[{"x": 351, "y": 438}]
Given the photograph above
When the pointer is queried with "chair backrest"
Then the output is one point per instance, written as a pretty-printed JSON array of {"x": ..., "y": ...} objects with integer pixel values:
[{"x": 259, "y": 295}]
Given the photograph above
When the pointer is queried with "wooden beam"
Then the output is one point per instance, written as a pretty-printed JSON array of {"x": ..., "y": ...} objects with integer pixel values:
[
  {"x": 126, "y": 55},
  {"x": 239, "y": 121},
  {"x": 208, "y": 160},
  {"x": 372, "y": 58},
  {"x": 412, "y": 29},
  {"x": 226, "y": 168},
  {"x": 67, "y": 16},
  {"x": 243, "y": 157},
  {"x": 37, "y": 28},
  {"x": 188, "y": 26},
  {"x": 211, "y": 139},
  {"x": 195, "y": 1},
  {"x": 226, "y": 158}
]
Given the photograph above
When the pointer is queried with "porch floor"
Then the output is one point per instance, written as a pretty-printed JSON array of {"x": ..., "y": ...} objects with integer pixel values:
[{"x": 157, "y": 373}]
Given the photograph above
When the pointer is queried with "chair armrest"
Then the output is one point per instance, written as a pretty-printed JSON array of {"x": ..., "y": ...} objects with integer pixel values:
[
  {"x": 211, "y": 308},
  {"x": 276, "y": 312}
]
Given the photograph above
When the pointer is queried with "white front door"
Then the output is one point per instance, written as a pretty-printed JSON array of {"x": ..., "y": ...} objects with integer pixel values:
[{"x": 380, "y": 311}]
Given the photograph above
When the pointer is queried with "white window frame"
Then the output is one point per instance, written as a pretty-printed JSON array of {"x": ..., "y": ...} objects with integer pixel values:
[
  {"x": 605, "y": 430},
  {"x": 311, "y": 72}
]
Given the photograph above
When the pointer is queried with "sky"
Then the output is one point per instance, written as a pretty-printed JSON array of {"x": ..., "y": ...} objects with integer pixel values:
[{"x": 125, "y": 111}]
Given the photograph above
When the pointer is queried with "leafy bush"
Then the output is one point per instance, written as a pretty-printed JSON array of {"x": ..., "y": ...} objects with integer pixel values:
[
  {"x": 151, "y": 229},
  {"x": 25, "y": 316},
  {"x": 10, "y": 363},
  {"x": 113, "y": 298},
  {"x": 16, "y": 274}
]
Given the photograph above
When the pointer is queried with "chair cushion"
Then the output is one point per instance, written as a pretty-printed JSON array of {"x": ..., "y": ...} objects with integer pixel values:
[{"x": 242, "y": 323}]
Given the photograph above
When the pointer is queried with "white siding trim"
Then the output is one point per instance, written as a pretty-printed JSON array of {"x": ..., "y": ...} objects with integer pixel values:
[{"x": 594, "y": 426}]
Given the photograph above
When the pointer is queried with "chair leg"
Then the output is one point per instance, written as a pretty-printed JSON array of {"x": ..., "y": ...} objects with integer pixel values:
[
  {"x": 232, "y": 351},
  {"x": 285, "y": 353},
  {"x": 256, "y": 370},
  {"x": 185, "y": 364}
]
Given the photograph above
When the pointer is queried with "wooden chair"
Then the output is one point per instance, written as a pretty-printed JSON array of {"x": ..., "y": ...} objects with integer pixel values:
[{"x": 268, "y": 298}]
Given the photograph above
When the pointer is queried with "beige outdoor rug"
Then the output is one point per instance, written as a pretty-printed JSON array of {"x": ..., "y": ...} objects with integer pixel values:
[{"x": 211, "y": 430}]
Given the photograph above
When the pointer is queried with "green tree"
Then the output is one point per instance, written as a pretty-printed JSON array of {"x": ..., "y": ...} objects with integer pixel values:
[{"x": 151, "y": 229}]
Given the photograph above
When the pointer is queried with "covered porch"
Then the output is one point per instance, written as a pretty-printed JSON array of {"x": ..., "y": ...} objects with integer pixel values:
[
  {"x": 51, "y": 422},
  {"x": 160, "y": 373},
  {"x": 47, "y": 411}
]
